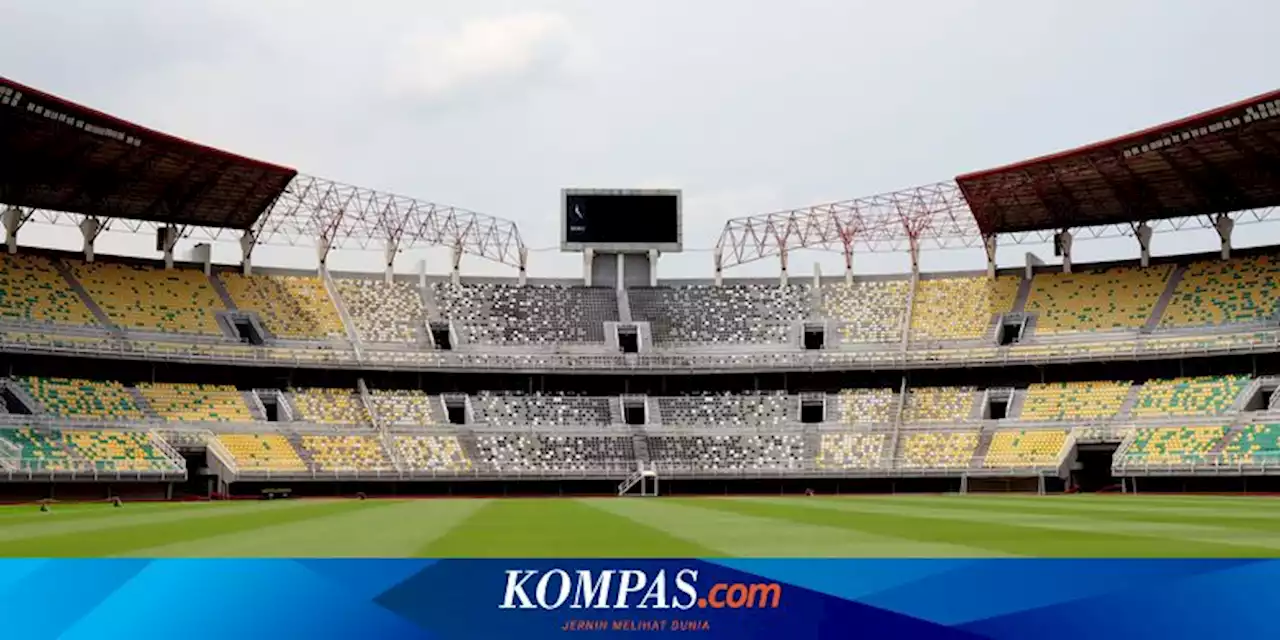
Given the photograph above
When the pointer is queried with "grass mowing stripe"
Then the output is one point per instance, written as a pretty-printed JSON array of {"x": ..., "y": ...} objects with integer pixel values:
[
  {"x": 12, "y": 517},
  {"x": 1001, "y": 537},
  {"x": 396, "y": 530},
  {"x": 123, "y": 540},
  {"x": 747, "y": 536},
  {"x": 568, "y": 528},
  {"x": 1152, "y": 539},
  {"x": 1222, "y": 518},
  {"x": 57, "y": 522}
]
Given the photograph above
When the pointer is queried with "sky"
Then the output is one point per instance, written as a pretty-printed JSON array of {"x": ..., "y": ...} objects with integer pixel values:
[{"x": 748, "y": 106}]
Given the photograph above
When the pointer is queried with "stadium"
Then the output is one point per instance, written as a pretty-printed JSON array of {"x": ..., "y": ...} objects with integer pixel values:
[{"x": 1043, "y": 409}]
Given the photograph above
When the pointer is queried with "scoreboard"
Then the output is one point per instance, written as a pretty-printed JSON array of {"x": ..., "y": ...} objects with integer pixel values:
[{"x": 620, "y": 220}]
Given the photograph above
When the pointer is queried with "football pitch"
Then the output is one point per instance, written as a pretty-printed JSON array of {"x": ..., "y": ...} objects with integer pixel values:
[{"x": 862, "y": 526}]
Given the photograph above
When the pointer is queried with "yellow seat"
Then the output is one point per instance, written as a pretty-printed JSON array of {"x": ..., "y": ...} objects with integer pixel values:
[
  {"x": 293, "y": 307},
  {"x": 960, "y": 308},
  {"x": 1035, "y": 448},
  {"x": 179, "y": 300},
  {"x": 1114, "y": 298}
]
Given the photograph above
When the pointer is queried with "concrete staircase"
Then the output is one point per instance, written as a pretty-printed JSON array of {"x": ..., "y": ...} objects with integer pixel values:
[
  {"x": 1016, "y": 401},
  {"x": 624, "y": 306},
  {"x": 979, "y": 453},
  {"x": 1024, "y": 292},
  {"x": 255, "y": 406},
  {"x": 1163, "y": 302},
  {"x": 221, "y": 290},
  {"x": 1126, "y": 407},
  {"x": 141, "y": 401},
  {"x": 296, "y": 440},
  {"x": 23, "y": 395},
  {"x": 467, "y": 440},
  {"x": 88, "y": 300},
  {"x": 640, "y": 444}
]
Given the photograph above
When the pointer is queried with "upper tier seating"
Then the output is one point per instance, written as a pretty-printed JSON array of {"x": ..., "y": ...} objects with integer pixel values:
[
  {"x": 291, "y": 307},
  {"x": 520, "y": 452},
  {"x": 346, "y": 453},
  {"x": 1039, "y": 448},
  {"x": 730, "y": 452},
  {"x": 866, "y": 406},
  {"x": 541, "y": 410},
  {"x": 407, "y": 407},
  {"x": 1255, "y": 444},
  {"x": 330, "y": 406},
  {"x": 1074, "y": 400},
  {"x": 528, "y": 315},
  {"x": 867, "y": 310},
  {"x": 938, "y": 404},
  {"x": 262, "y": 451},
  {"x": 1173, "y": 445},
  {"x": 32, "y": 290},
  {"x": 854, "y": 450},
  {"x": 432, "y": 453},
  {"x": 201, "y": 402},
  {"x": 1214, "y": 292},
  {"x": 1206, "y": 395},
  {"x": 737, "y": 410},
  {"x": 179, "y": 300},
  {"x": 960, "y": 308},
  {"x": 938, "y": 449},
  {"x": 730, "y": 314},
  {"x": 382, "y": 312},
  {"x": 1115, "y": 298},
  {"x": 83, "y": 398}
]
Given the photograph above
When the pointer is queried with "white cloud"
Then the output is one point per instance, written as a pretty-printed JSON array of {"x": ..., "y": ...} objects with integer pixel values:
[{"x": 483, "y": 56}]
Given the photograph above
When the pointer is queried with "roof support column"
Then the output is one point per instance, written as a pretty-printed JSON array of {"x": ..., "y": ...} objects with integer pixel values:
[
  {"x": 1143, "y": 233},
  {"x": 1225, "y": 225},
  {"x": 456, "y": 274},
  {"x": 989, "y": 244},
  {"x": 718, "y": 257},
  {"x": 653, "y": 267},
  {"x": 390, "y": 272},
  {"x": 782, "y": 259},
  {"x": 848, "y": 263},
  {"x": 588, "y": 256},
  {"x": 247, "y": 242},
  {"x": 914, "y": 247},
  {"x": 90, "y": 227},
  {"x": 168, "y": 240},
  {"x": 619, "y": 266},
  {"x": 817, "y": 275},
  {"x": 524, "y": 265},
  {"x": 1062, "y": 247},
  {"x": 14, "y": 218},
  {"x": 323, "y": 246}
]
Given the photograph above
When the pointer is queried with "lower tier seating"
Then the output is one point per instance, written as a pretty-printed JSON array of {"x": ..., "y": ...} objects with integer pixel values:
[
  {"x": 730, "y": 452},
  {"x": 346, "y": 453},
  {"x": 104, "y": 451},
  {"x": 521, "y": 452},
  {"x": 938, "y": 449},
  {"x": 199, "y": 402},
  {"x": 857, "y": 450},
  {"x": 432, "y": 453},
  {"x": 1255, "y": 444},
  {"x": 262, "y": 451},
  {"x": 1040, "y": 448},
  {"x": 1173, "y": 445}
]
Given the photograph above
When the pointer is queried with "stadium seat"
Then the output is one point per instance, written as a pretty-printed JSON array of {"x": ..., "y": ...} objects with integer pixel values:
[
  {"x": 291, "y": 307},
  {"x": 960, "y": 308},
  {"x": 937, "y": 449},
  {"x": 83, "y": 398},
  {"x": 728, "y": 314},
  {"x": 866, "y": 406},
  {"x": 1217, "y": 292},
  {"x": 549, "y": 453},
  {"x": 1255, "y": 444},
  {"x": 938, "y": 404},
  {"x": 346, "y": 453},
  {"x": 1206, "y": 395},
  {"x": 330, "y": 406},
  {"x": 541, "y": 410},
  {"x": 526, "y": 315},
  {"x": 382, "y": 312},
  {"x": 1174, "y": 445},
  {"x": 1023, "y": 448},
  {"x": 729, "y": 453},
  {"x": 1074, "y": 400},
  {"x": 102, "y": 451},
  {"x": 867, "y": 310},
  {"x": 1114, "y": 298},
  {"x": 198, "y": 402},
  {"x": 179, "y": 300},
  {"x": 432, "y": 453},
  {"x": 854, "y": 450},
  {"x": 32, "y": 290},
  {"x": 42, "y": 449},
  {"x": 262, "y": 451},
  {"x": 735, "y": 410},
  {"x": 407, "y": 407}
]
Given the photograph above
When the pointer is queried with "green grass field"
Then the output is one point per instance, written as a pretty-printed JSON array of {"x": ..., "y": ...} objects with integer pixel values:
[{"x": 870, "y": 526}]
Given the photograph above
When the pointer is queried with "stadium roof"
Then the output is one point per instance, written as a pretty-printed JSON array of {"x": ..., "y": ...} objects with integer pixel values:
[
  {"x": 1219, "y": 161},
  {"x": 58, "y": 155}
]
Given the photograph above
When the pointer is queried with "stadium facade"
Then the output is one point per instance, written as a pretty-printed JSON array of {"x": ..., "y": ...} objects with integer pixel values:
[{"x": 172, "y": 378}]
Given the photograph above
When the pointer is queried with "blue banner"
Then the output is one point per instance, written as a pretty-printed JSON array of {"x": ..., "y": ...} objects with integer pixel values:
[{"x": 988, "y": 598}]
